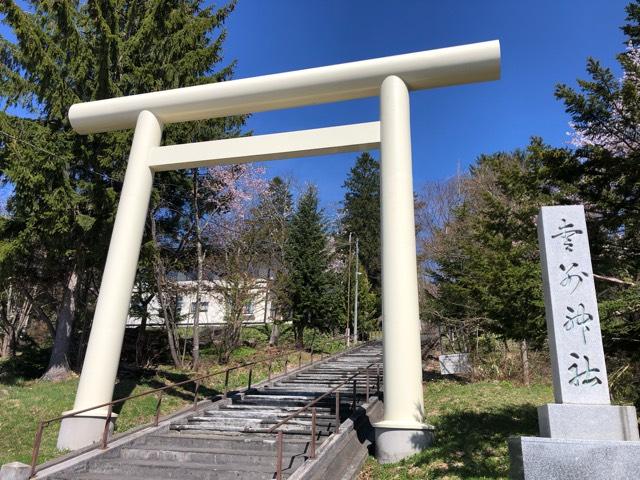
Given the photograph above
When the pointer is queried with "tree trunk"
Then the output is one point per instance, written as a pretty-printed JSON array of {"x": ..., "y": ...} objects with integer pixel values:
[
  {"x": 39, "y": 312},
  {"x": 524, "y": 354},
  {"x": 58, "y": 368},
  {"x": 159, "y": 274},
  {"x": 275, "y": 334},
  {"x": 299, "y": 334},
  {"x": 86, "y": 325},
  {"x": 5, "y": 346},
  {"x": 195, "y": 348},
  {"x": 140, "y": 341},
  {"x": 266, "y": 295}
]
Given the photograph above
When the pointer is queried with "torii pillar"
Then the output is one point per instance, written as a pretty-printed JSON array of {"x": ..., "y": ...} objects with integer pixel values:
[{"x": 402, "y": 431}]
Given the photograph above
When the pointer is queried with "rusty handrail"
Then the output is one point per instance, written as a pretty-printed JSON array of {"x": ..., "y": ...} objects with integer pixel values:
[
  {"x": 198, "y": 380},
  {"x": 311, "y": 404},
  {"x": 316, "y": 400}
]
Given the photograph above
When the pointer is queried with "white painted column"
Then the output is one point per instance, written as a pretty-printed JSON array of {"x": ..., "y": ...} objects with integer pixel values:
[
  {"x": 402, "y": 432},
  {"x": 105, "y": 342}
]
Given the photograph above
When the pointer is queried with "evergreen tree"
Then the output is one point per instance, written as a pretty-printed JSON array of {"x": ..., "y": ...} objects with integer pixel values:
[
  {"x": 361, "y": 213},
  {"x": 65, "y": 185},
  {"x": 488, "y": 265},
  {"x": 307, "y": 263},
  {"x": 604, "y": 176}
]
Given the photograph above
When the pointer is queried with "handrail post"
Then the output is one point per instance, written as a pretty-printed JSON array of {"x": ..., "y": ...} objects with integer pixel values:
[
  {"x": 367, "y": 389},
  {"x": 279, "y": 444},
  {"x": 226, "y": 382},
  {"x": 313, "y": 342},
  {"x": 353, "y": 402},
  {"x": 337, "y": 411},
  {"x": 270, "y": 367},
  {"x": 378, "y": 379},
  {"x": 105, "y": 432},
  {"x": 250, "y": 375},
  {"x": 156, "y": 418},
  {"x": 195, "y": 395},
  {"x": 299, "y": 360},
  {"x": 36, "y": 448},
  {"x": 312, "y": 452}
]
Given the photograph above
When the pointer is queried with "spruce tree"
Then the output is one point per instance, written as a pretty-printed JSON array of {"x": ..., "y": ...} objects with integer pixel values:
[
  {"x": 361, "y": 213},
  {"x": 307, "y": 263},
  {"x": 66, "y": 186}
]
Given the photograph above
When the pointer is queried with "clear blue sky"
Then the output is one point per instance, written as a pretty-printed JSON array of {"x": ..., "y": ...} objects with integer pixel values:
[{"x": 543, "y": 43}]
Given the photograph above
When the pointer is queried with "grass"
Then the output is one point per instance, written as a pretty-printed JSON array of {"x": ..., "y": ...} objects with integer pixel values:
[
  {"x": 25, "y": 400},
  {"x": 473, "y": 422}
]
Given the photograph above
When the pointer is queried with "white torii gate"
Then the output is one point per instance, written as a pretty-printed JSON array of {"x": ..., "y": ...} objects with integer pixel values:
[{"x": 402, "y": 431}]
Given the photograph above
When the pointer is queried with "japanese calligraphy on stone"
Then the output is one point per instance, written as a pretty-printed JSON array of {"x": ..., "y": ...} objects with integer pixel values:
[{"x": 575, "y": 341}]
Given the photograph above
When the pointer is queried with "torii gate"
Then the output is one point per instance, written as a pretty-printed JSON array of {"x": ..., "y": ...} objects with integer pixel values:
[{"x": 402, "y": 431}]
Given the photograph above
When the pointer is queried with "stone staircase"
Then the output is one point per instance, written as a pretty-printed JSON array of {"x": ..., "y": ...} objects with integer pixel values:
[{"x": 230, "y": 439}]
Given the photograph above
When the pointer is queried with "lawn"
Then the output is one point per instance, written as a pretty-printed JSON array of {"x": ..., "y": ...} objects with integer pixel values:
[{"x": 473, "y": 422}]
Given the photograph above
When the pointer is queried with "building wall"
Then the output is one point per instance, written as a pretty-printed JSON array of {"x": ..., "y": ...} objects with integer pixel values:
[{"x": 212, "y": 306}]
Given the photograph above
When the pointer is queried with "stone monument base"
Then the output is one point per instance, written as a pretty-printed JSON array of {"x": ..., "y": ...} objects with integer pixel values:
[
  {"x": 83, "y": 430},
  {"x": 588, "y": 422},
  {"x": 395, "y": 441},
  {"x": 536, "y": 458}
]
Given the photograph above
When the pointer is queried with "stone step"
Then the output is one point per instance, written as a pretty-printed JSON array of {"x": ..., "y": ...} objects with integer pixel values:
[
  {"x": 232, "y": 441},
  {"x": 275, "y": 400},
  {"x": 151, "y": 469},
  {"x": 268, "y": 408},
  {"x": 240, "y": 441},
  {"x": 209, "y": 456},
  {"x": 264, "y": 414},
  {"x": 313, "y": 389},
  {"x": 264, "y": 422},
  {"x": 216, "y": 427}
]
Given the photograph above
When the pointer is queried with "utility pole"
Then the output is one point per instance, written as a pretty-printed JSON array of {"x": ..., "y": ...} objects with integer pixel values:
[
  {"x": 355, "y": 301},
  {"x": 348, "y": 291}
]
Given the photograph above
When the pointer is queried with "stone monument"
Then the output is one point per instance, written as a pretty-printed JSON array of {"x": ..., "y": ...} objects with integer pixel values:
[{"x": 582, "y": 436}]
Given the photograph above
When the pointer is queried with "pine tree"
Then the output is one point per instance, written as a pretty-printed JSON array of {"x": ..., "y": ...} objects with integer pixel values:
[
  {"x": 307, "y": 263},
  {"x": 66, "y": 186},
  {"x": 361, "y": 213}
]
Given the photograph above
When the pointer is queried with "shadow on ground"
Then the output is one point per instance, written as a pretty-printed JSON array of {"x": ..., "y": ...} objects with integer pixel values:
[
  {"x": 29, "y": 365},
  {"x": 473, "y": 444}
]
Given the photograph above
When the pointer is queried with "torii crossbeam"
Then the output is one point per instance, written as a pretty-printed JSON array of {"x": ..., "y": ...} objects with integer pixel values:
[{"x": 402, "y": 432}]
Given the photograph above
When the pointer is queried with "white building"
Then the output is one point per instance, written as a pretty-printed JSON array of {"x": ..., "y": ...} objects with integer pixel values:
[{"x": 258, "y": 309}]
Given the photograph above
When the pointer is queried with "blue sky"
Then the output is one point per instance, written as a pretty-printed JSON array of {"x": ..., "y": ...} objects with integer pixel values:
[{"x": 543, "y": 43}]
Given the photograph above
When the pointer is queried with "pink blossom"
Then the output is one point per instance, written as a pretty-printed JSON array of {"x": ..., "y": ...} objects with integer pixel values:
[{"x": 621, "y": 133}]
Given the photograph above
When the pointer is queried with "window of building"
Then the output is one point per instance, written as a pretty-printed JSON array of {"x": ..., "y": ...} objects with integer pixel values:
[
  {"x": 204, "y": 307},
  {"x": 247, "y": 308}
]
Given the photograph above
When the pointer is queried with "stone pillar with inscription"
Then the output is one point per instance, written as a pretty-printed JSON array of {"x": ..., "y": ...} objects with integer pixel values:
[{"x": 581, "y": 435}]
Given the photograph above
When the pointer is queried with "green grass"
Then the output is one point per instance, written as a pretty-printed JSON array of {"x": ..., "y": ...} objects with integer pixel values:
[
  {"x": 473, "y": 422},
  {"x": 25, "y": 403}
]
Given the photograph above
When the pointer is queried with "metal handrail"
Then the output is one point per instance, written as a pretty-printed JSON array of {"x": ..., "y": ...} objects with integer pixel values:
[
  {"x": 312, "y": 447},
  {"x": 198, "y": 380}
]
